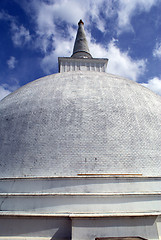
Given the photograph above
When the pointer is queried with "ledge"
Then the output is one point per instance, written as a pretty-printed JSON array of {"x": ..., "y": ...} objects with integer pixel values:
[
  {"x": 79, "y": 194},
  {"x": 80, "y": 176},
  {"x": 78, "y": 215}
]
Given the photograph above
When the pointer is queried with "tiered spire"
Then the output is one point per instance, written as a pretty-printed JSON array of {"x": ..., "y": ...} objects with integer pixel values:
[{"x": 81, "y": 49}]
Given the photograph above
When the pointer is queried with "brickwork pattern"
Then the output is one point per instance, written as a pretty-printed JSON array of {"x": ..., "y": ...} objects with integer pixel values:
[{"x": 71, "y": 123}]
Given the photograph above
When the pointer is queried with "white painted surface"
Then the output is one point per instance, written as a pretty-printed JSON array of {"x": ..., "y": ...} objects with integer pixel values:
[
  {"x": 82, "y": 204},
  {"x": 82, "y": 185},
  {"x": 81, "y": 207},
  {"x": 82, "y": 64},
  {"x": 89, "y": 229},
  {"x": 159, "y": 226},
  {"x": 81, "y": 195},
  {"x": 35, "y": 228},
  {"x": 79, "y": 123}
]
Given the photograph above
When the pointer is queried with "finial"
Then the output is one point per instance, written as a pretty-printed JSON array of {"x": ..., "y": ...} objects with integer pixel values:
[
  {"x": 81, "y": 22},
  {"x": 81, "y": 49}
]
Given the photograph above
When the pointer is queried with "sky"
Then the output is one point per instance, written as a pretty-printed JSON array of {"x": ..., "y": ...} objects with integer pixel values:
[{"x": 34, "y": 33}]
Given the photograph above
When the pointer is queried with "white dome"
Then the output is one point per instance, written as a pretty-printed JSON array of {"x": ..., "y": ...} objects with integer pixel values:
[{"x": 78, "y": 123}]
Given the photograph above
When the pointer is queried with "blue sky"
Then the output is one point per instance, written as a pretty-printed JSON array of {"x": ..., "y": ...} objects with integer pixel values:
[{"x": 34, "y": 33}]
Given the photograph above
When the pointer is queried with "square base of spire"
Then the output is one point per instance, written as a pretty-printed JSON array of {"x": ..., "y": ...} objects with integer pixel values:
[{"x": 67, "y": 64}]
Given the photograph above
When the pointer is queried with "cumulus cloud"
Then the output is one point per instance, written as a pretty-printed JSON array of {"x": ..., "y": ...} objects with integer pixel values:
[
  {"x": 59, "y": 10},
  {"x": 3, "y": 92},
  {"x": 48, "y": 13},
  {"x": 99, "y": 11},
  {"x": 55, "y": 41},
  {"x": 5, "y": 16},
  {"x": 20, "y": 35},
  {"x": 128, "y": 8},
  {"x": 11, "y": 62},
  {"x": 120, "y": 63},
  {"x": 154, "y": 84},
  {"x": 6, "y": 89},
  {"x": 51, "y": 58},
  {"x": 157, "y": 50}
]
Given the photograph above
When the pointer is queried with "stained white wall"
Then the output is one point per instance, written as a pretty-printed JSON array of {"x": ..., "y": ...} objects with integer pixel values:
[
  {"x": 89, "y": 229},
  {"x": 81, "y": 207},
  {"x": 35, "y": 228}
]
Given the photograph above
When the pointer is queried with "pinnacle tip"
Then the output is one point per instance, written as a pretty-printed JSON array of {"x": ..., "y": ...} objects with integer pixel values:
[{"x": 81, "y": 22}]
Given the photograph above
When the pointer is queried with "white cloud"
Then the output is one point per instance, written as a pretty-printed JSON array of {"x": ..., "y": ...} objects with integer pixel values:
[
  {"x": 157, "y": 50},
  {"x": 128, "y": 8},
  {"x": 55, "y": 41},
  {"x": 120, "y": 63},
  {"x": 6, "y": 89},
  {"x": 51, "y": 58},
  {"x": 154, "y": 84},
  {"x": 49, "y": 13},
  {"x": 11, "y": 62},
  {"x": 5, "y": 16},
  {"x": 3, "y": 92},
  {"x": 20, "y": 35}
]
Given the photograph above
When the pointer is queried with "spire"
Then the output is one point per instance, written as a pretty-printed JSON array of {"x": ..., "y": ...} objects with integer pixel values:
[
  {"x": 81, "y": 49},
  {"x": 81, "y": 59}
]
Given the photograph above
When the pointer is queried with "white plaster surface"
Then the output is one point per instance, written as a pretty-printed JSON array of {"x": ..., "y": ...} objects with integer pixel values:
[
  {"x": 89, "y": 229},
  {"x": 82, "y": 64},
  {"x": 30, "y": 228},
  {"x": 80, "y": 122},
  {"x": 81, "y": 204},
  {"x": 104, "y": 196},
  {"x": 159, "y": 226},
  {"x": 80, "y": 207},
  {"x": 94, "y": 185}
]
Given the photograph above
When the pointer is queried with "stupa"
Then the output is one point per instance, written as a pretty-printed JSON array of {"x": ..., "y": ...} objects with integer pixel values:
[{"x": 80, "y": 155}]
